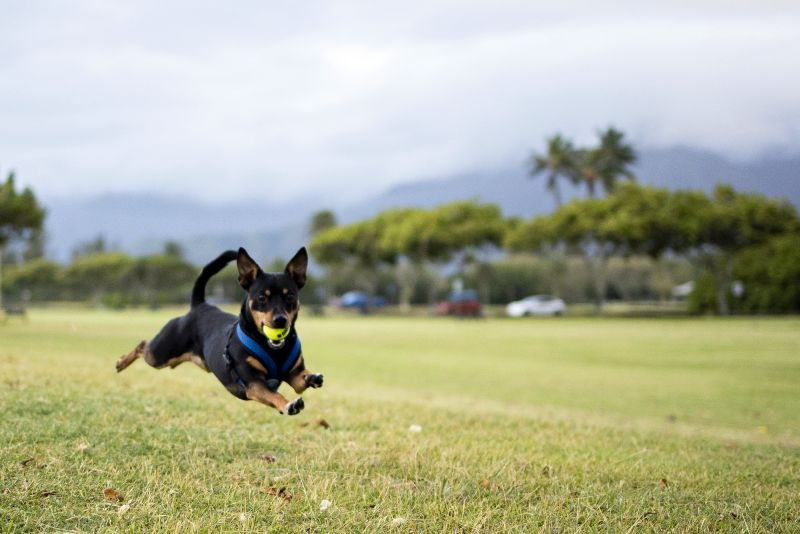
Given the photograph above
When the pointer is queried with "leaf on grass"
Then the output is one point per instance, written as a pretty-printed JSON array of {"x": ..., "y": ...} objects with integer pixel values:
[
  {"x": 46, "y": 493},
  {"x": 24, "y": 463},
  {"x": 83, "y": 446},
  {"x": 485, "y": 484},
  {"x": 282, "y": 493},
  {"x": 324, "y": 505},
  {"x": 397, "y": 521},
  {"x": 243, "y": 517},
  {"x": 112, "y": 495},
  {"x": 547, "y": 471},
  {"x": 415, "y": 428},
  {"x": 732, "y": 445},
  {"x": 269, "y": 458},
  {"x": 664, "y": 482},
  {"x": 122, "y": 509},
  {"x": 319, "y": 422}
]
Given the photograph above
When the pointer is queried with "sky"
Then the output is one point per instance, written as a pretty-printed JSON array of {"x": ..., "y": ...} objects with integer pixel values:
[{"x": 282, "y": 100}]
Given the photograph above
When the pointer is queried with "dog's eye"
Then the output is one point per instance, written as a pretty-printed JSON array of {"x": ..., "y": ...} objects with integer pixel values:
[{"x": 290, "y": 298}]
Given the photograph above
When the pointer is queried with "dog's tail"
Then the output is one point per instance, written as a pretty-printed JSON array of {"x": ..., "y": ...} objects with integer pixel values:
[{"x": 199, "y": 291}]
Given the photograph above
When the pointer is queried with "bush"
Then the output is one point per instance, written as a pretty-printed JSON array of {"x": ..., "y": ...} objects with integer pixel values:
[
  {"x": 703, "y": 298},
  {"x": 770, "y": 276},
  {"x": 36, "y": 280}
]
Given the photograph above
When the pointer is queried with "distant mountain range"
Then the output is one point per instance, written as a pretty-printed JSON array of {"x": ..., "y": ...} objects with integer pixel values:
[
  {"x": 141, "y": 224},
  {"x": 518, "y": 194}
]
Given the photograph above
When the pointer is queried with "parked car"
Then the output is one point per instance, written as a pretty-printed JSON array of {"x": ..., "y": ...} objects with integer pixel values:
[
  {"x": 360, "y": 300},
  {"x": 461, "y": 303},
  {"x": 536, "y": 305}
]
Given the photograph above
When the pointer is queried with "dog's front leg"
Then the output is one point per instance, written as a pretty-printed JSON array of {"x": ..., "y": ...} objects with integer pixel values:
[
  {"x": 301, "y": 378},
  {"x": 304, "y": 380},
  {"x": 259, "y": 392}
]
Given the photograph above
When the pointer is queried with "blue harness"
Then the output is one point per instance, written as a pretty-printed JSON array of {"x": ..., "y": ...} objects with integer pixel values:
[{"x": 265, "y": 357}]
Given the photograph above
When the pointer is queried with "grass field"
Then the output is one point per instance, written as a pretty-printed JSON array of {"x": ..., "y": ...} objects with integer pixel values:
[{"x": 567, "y": 425}]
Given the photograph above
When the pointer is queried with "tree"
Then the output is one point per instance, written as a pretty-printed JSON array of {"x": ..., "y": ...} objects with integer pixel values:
[
  {"x": 158, "y": 278},
  {"x": 320, "y": 221},
  {"x": 731, "y": 223},
  {"x": 38, "y": 279},
  {"x": 770, "y": 275},
  {"x": 92, "y": 277},
  {"x": 630, "y": 220},
  {"x": 360, "y": 248},
  {"x": 97, "y": 245},
  {"x": 408, "y": 239},
  {"x": 174, "y": 249},
  {"x": 558, "y": 162},
  {"x": 603, "y": 165},
  {"x": 20, "y": 215},
  {"x": 615, "y": 157},
  {"x": 34, "y": 248},
  {"x": 435, "y": 236}
]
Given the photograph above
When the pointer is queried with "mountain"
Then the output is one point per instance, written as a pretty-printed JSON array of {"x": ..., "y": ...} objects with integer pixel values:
[
  {"x": 685, "y": 168},
  {"x": 140, "y": 224},
  {"x": 518, "y": 194}
]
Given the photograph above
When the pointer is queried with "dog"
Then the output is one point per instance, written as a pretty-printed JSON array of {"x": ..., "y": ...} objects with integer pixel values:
[{"x": 250, "y": 354}]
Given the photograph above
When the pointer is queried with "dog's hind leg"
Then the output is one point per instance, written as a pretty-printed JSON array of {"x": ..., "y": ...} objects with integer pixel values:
[
  {"x": 142, "y": 350},
  {"x": 132, "y": 356},
  {"x": 172, "y": 363}
]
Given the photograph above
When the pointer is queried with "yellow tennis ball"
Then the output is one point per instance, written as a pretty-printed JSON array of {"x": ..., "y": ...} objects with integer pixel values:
[{"x": 275, "y": 334}]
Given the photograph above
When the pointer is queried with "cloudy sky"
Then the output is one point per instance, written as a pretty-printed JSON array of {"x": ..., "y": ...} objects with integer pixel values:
[{"x": 283, "y": 99}]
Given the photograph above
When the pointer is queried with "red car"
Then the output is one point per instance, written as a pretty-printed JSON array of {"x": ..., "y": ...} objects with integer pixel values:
[{"x": 461, "y": 304}]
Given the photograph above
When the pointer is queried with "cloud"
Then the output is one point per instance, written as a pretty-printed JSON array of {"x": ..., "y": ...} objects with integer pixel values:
[{"x": 342, "y": 98}]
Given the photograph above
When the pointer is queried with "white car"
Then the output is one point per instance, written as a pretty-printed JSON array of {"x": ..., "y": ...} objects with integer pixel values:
[{"x": 536, "y": 305}]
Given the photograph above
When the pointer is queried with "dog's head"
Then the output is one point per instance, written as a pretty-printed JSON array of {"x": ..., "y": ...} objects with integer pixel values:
[{"x": 273, "y": 298}]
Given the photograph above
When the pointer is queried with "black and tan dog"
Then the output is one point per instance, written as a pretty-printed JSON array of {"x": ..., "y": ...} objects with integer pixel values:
[{"x": 250, "y": 354}]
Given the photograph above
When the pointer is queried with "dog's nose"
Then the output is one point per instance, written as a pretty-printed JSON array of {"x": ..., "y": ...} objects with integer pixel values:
[{"x": 279, "y": 321}]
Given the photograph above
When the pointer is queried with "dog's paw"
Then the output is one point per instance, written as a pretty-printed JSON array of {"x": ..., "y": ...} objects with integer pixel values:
[
  {"x": 296, "y": 406},
  {"x": 314, "y": 381},
  {"x": 123, "y": 363}
]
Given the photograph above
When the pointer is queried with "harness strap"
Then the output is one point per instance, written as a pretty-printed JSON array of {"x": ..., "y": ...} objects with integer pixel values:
[{"x": 226, "y": 356}]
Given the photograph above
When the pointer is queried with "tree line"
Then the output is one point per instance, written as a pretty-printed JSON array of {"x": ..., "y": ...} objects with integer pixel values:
[
  {"x": 621, "y": 240},
  {"x": 720, "y": 238}
]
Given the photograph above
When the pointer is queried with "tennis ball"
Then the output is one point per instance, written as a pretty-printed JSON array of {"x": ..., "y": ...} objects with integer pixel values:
[{"x": 275, "y": 334}]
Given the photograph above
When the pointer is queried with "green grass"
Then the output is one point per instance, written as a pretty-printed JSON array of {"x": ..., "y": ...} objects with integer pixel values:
[{"x": 619, "y": 425}]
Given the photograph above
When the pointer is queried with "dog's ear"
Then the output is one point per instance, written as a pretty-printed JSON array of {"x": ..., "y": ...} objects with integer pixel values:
[
  {"x": 296, "y": 268},
  {"x": 248, "y": 269}
]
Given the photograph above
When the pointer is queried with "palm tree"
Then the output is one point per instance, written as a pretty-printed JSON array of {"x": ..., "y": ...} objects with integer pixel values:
[
  {"x": 615, "y": 156},
  {"x": 588, "y": 169},
  {"x": 558, "y": 162},
  {"x": 605, "y": 164}
]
